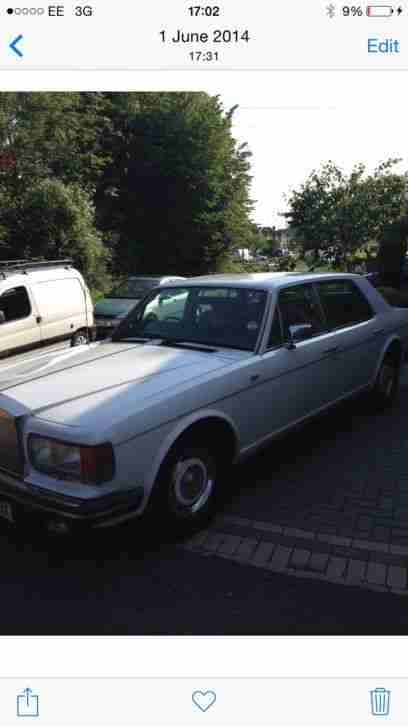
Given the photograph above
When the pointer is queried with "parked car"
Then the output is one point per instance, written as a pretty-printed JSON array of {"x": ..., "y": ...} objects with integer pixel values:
[
  {"x": 149, "y": 421},
  {"x": 110, "y": 309},
  {"x": 41, "y": 303}
]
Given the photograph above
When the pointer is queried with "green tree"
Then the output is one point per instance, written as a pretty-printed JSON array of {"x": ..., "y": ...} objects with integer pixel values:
[
  {"x": 169, "y": 183},
  {"x": 178, "y": 187},
  {"x": 263, "y": 240},
  {"x": 53, "y": 135},
  {"x": 333, "y": 214},
  {"x": 53, "y": 220}
]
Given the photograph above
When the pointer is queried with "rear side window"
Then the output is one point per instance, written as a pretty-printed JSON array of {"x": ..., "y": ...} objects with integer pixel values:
[
  {"x": 343, "y": 303},
  {"x": 15, "y": 304}
]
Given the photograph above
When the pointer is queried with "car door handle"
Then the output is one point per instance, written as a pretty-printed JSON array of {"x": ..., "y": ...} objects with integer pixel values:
[
  {"x": 377, "y": 332},
  {"x": 254, "y": 377},
  {"x": 39, "y": 319},
  {"x": 330, "y": 351}
]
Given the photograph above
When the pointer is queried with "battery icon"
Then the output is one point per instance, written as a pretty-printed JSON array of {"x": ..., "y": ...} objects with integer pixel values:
[{"x": 379, "y": 11}]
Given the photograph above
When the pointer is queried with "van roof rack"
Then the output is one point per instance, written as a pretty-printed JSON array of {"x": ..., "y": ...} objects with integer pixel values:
[{"x": 25, "y": 266}]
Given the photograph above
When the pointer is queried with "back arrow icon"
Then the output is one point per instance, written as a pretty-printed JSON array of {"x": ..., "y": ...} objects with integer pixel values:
[{"x": 14, "y": 44}]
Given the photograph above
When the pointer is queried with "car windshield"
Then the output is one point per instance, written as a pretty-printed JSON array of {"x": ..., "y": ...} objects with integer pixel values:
[
  {"x": 215, "y": 316},
  {"x": 135, "y": 287}
]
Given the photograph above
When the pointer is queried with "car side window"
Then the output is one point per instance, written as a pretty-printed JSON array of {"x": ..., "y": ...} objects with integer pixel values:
[
  {"x": 343, "y": 303},
  {"x": 300, "y": 310},
  {"x": 15, "y": 304}
]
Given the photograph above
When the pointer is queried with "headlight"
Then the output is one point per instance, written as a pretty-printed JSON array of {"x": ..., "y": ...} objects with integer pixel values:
[{"x": 86, "y": 464}]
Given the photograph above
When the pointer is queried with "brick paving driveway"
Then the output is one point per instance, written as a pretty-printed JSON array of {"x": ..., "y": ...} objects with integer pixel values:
[{"x": 329, "y": 502}]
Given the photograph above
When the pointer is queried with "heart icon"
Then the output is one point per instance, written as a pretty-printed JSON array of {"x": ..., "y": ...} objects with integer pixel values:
[{"x": 204, "y": 700}]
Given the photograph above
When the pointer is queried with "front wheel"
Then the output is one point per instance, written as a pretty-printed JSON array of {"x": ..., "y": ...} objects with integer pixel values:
[
  {"x": 80, "y": 337},
  {"x": 386, "y": 387},
  {"x": 185, "y": 494}
]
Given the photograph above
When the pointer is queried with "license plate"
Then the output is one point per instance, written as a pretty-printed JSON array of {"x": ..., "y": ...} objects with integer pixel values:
[{"x": 6, "y": 511}]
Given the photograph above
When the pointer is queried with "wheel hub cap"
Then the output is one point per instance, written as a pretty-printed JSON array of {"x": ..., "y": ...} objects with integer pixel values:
[{"x": 192, "y": 484}]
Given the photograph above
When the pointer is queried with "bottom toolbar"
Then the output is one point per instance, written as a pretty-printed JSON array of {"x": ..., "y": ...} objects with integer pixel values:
[{"x": 217, "y": 701}]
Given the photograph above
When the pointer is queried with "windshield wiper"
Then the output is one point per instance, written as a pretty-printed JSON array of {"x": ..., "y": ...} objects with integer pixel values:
[
  {"x": 171, "y": 342},
  {"x": 131, "y": 339}
]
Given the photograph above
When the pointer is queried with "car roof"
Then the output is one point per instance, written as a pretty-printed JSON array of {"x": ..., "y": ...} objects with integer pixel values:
[{"x": 264, "y": 280}]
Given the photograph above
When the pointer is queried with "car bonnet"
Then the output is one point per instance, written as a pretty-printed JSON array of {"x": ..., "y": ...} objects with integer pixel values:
[{"x": 121, "y": 371}]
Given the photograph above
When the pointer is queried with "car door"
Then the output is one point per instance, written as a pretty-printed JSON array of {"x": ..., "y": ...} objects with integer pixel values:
[
  {"x": 20, "y": 327},
  {"x": 297, "y": 378},
  {"x": 356, "y": 335}
]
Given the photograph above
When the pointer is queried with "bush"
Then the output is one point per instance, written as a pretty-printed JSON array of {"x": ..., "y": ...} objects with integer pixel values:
[
  {"x": 228, "y": 265},
  {"x": 397, "y": 298}
]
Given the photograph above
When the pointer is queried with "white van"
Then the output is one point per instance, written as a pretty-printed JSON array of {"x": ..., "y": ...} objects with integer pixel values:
[{"x": 41, "y": 303}]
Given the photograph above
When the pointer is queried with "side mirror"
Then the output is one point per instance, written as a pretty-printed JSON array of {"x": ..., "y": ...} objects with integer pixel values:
[{"x": 298, "y": 333}]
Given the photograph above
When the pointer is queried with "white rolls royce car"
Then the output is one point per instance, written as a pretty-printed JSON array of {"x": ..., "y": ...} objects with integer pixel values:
[{"x": 199, "y": 375}]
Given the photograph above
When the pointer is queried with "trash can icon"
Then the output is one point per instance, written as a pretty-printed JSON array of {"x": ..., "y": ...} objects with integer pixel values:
[{"x": 380, "y": 702}]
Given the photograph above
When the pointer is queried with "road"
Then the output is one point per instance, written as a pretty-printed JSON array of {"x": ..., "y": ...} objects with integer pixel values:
[
  {"x": 126, "y": 588},
  {"x": 334, "y": 489}
]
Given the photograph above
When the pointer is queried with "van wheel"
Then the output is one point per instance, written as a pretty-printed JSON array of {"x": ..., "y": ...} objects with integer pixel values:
[{"x": 80, "y": 337}]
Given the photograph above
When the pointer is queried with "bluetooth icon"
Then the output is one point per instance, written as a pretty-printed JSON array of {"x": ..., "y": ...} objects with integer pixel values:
[{"x": 331, "y": 10}]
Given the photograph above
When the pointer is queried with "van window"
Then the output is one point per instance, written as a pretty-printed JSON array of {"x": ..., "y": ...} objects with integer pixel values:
[
  {"x": 65, "y": 297},
  {"x": 15, "y": 304}
]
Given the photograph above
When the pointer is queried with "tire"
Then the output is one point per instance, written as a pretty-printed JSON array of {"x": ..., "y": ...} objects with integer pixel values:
[
  {"x": 80, "y": 337},
  {"x": 386, "y": 387},
  {"x": 186, "y": 492}
]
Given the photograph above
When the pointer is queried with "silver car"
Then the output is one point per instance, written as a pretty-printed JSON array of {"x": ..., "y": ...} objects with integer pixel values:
[{"x": 200, "y": 375}]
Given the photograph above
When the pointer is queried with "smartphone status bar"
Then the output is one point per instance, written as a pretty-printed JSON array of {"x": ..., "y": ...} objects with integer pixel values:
[{"x": 214, "y": 35}]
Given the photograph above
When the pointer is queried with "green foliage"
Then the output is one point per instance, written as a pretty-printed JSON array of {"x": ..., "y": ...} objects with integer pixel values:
[
  {"x": 228, "y": 265},
  {"x": 334, "y": 215},
  {"x": 53, "y": 135},
  {"x": 263, "y": 240},
  {"x": 55, "y": 220},
  {"x": 165, "y": 187},
  {"x": 178, "y": 183}
]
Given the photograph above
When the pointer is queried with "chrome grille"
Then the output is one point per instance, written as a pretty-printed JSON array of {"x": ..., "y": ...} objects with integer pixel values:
[{"x": 11, "y": 458}]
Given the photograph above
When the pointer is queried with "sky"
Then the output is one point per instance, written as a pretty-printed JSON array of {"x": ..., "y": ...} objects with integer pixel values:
[{"x": 293, "y": 130}]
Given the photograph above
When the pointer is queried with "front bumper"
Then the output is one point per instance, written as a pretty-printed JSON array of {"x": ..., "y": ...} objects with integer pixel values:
[
  {"x": 59, "y": 513},
  {"x": 103, "y": 330}
]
